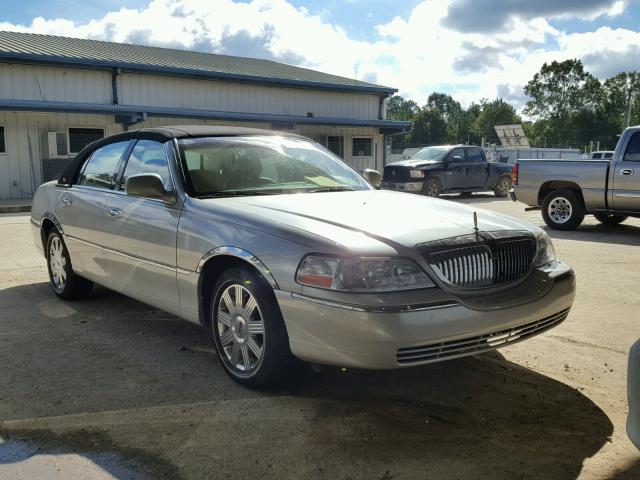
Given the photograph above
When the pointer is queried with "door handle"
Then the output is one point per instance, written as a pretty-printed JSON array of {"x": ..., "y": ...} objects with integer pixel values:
[
  {"x": 66, "y": 200},
  {"x": 626, "y": 171},
  {"x": 114, "y": 212}
]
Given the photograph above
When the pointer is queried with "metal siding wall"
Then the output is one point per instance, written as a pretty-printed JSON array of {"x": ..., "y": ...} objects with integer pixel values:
[
  {"x": 156, "y": 90},
  {"x": 25, "y": 134},
  {"x": 54, "y": 84}
]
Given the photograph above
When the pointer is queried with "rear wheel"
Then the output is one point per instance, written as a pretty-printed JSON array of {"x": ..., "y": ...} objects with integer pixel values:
[
  {"x": 563, "y": 210},
  {"x": 64, "y": 282},
  {"x": 431, "y": 188},
  {"x": 248, "y": 330},
  {"x": 610, "y": 219},
  {"x": 502, "y": 187}
]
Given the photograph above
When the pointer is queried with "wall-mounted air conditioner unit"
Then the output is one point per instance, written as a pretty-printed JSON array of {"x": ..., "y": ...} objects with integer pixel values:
[{"x": 57, "y": 145}]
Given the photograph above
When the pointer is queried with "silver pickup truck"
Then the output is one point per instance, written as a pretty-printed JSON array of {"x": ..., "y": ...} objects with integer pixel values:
[{"x": 567, "y": 190}]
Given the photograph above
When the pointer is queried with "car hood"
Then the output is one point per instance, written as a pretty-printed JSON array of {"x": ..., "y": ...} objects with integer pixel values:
[
  {"x": 415, "y": 163},
  {"x": 393, "y": 218}
]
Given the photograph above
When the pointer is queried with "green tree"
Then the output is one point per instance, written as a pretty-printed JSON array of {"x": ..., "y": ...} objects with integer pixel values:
[
  {"x": 429, "y": 128},
  {"x": 398, "y": 108},
  {"x": 496, "y": 112}
]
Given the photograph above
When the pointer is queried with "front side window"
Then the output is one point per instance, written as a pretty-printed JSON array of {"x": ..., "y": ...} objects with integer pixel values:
[
  {"x": 633, "y": 149},
  {"x": 431, "y": 153},
  {"x": 608, "y": 155},
  {"x": 100, "y": 170},
  {"x": 596, "y": 156},
  {"x": 474, "y": 155},
  {"x": 457, "y": 152},
  {"x": 3, "y": 141},
  {"x": 362, "y": 146},
  {"x": 262, "y": 165},
  {"x": 81, "y": 137},
  {"x": 148, "y": 157}
]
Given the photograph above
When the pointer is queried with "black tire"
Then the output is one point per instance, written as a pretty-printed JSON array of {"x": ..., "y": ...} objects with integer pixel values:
[
  {"x": 64, "y": 282},
  {"x": 563, "y": 209},
  {"x": 276, "y": 359},
  {"x": 501, "y": 189},
  {"x": 431, "y": 188},
  {"x": 609, "y": 218}
]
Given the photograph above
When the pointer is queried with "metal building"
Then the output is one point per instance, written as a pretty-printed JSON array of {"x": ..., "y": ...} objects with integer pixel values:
[{"x": 57, "y": 94}]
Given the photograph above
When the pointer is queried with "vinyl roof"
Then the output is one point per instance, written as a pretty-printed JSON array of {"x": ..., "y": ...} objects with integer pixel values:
[{"x": 93, "y": 53}]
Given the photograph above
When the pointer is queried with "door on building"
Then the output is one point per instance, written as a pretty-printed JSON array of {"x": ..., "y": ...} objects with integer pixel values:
[
  {"x": 336, "y": 145},
  {"x": 626, "y": 177},
  {"x": 80, "y": 209},
  {"x": 139, "y": 234}
]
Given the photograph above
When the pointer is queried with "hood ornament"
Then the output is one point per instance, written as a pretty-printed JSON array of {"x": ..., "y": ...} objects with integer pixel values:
[{"x": 475, "y": 223}]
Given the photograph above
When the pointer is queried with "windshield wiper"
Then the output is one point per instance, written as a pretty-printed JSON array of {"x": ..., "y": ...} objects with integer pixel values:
[
  {"x": 238, "y": 193},
  {"x": 330, "y": 189}
]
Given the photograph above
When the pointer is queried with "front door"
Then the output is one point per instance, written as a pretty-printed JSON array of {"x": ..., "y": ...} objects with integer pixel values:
[
  {"x": 139, "y": 234},
  {"x": 456, "y": 170},
  {"x": 80, "y": 210},
  {"x": 626, "y": 177},
  {"x": 477, "y": 168}
]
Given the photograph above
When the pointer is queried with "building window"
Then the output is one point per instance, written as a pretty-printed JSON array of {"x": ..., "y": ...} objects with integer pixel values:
[
  {"x": 3, "y": 141},
  {"x": 81, "y": 137},
  {"x": 362, "y": 146},
  {"x": 336, "y": 145}
]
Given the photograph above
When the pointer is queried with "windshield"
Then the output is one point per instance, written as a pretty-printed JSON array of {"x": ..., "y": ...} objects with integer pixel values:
[
  {"x": 431, "y": 153},
  {"x": 263, "y": 165}
]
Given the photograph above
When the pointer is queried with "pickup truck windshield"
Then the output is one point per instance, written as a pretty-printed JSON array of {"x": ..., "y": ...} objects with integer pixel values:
[
  {"x": 263, "y": 165},
  {"x": 431, "y": 153}
]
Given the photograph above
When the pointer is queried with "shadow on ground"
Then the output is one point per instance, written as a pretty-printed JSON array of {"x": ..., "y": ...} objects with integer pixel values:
[{"x": 113, "y": 375}]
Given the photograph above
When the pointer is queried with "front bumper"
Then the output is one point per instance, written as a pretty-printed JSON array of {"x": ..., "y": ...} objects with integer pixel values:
[
  {"x": 360, "y": 337},
  {"x": 414, "y": 187}
]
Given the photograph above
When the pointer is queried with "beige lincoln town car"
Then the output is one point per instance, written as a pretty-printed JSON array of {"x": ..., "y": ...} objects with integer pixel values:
[{"x": 283, "y": 252}]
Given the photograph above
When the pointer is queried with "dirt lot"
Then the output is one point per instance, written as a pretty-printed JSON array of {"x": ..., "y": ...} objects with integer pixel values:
[{"x": 110, "y": 387}]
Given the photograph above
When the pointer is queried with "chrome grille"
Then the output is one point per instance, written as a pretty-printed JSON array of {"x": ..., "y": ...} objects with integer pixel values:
[
  {"x": 483, "y": 260},
  {"x": 482, "y": 343}
]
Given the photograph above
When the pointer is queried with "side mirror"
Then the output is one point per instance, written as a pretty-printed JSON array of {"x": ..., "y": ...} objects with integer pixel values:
[
  {"x": 372, "y": 176},
  {"x": 148, "y": 185}
]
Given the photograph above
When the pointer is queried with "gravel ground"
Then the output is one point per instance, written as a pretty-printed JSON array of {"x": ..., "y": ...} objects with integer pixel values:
[{"x": 112, "y": 388}]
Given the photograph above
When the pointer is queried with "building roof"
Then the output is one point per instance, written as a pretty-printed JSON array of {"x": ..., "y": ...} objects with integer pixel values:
[{"x": 98, "y": 54}]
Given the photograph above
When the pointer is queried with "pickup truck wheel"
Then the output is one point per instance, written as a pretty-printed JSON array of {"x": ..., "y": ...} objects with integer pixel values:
[
  {"x": 563, "y": 210},
  {"x": 431, "y": 188},
  {"x": 502, "y": 188},
  {"x": 64, "y": 282},
  {"x": 610, "y": 219},
  {"x": 248, "y": 330}
]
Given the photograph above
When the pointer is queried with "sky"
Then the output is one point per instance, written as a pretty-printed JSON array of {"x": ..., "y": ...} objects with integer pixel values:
[{"x": 470, "y": 49}]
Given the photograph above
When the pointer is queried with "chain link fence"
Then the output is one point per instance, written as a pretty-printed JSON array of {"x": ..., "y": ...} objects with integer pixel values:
[{"x": 52, "y": 168}]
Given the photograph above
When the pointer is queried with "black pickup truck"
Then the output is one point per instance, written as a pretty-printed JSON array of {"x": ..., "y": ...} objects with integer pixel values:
[{"x": 448, "y": 169}]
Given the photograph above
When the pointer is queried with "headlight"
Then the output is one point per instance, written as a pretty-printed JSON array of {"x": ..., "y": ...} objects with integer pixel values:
[
  {"x": 416, "y": 174},
  {"x": 361, "y": 274},
  {"x": 545, "y": 253}
]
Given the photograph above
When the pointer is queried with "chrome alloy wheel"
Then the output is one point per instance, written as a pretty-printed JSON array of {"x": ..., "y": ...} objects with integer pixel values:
[
  {"x": 240, "y": 328},
  {"x": 432, "y": 189},
  {"x": 504, "y": 186},
  {"x": 57, "y": 263},
  {"x": 560, "y": 210}
]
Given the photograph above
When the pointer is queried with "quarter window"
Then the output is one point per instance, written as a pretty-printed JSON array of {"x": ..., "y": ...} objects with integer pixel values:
[
  {"x": 101, "y": 167},
  {"x": 362, "y": 146},
  {"x": 81, "y": 137},
  {"x": 148, "y": 157},
  {"x": 633, "y": 149},
  {"x": 3, "y": 141}
]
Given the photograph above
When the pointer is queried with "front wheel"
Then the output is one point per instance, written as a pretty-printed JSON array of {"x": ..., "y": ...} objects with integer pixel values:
[
  {"x": 431, "y": 188},
  {"x": 248, "y": 330},
  {"x": 563, "y": 210},
  {"x": 610, "y": 219},
  {"x": 64, "y": 282},
  {"x": 502, "y": 187}
]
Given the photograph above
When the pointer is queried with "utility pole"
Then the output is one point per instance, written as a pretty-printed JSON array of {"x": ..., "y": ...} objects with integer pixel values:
[{"x": 630, "y": 99}]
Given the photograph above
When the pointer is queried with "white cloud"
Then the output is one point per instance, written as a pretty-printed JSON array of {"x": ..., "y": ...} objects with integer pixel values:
[{"x": 416, "y": 54}]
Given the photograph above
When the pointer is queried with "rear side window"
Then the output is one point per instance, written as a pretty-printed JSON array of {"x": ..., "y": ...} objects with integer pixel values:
[
  {"x": 148, "y": 157},
  {"x": 632, "y": 153},
  {"x": 474, "y": 155},
  {"x": 100, "y": 169}
]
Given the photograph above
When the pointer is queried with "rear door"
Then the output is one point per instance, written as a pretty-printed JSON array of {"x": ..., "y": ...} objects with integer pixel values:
[
  {"x": 477, "y": 168},
  {"x": 140, "y": 233},
  {"x": 80, "y": 209},
  {"x": 626, "y": 177}
]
